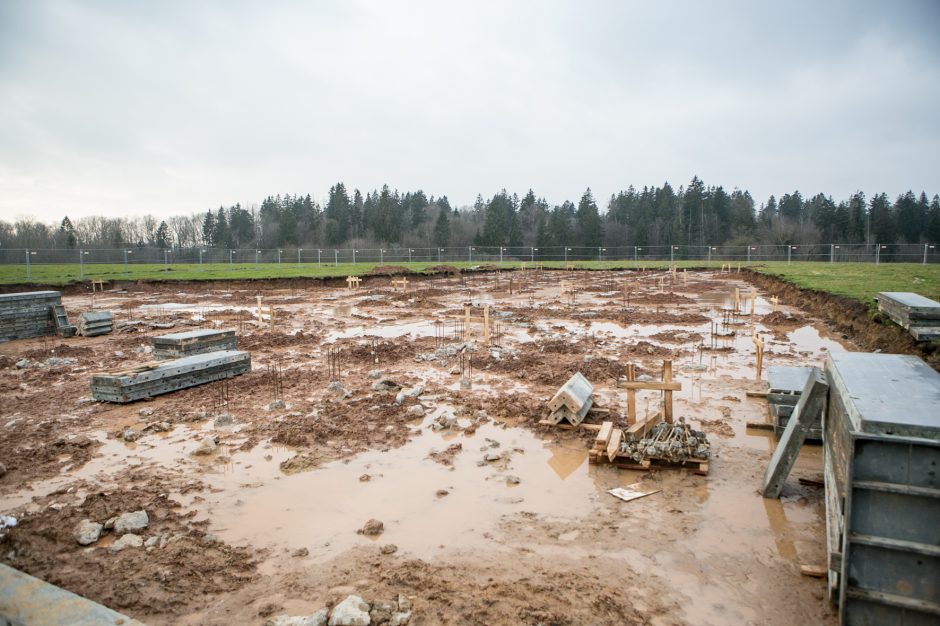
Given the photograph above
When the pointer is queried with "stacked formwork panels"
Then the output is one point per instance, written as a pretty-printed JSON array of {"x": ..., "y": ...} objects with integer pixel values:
[
  {"x": 786, "y": 383},
  {"x": 93, "y": 323},
  {"x": 176, "y": 345},
  {"x": 882, "y": 455},
  {"x": 156, "y": 379},
  {"x": 918, "y": 315},
  {"x": 572, "y": 402},
  {"x": 28, "y": 314}
]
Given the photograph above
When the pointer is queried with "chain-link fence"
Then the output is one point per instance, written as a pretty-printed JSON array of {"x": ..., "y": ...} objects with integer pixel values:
[{"x": 247, "y": 258}]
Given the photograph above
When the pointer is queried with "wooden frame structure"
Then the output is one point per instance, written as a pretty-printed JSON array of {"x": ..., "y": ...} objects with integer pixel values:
[
  {"x": 353, "y": 282},
  {"x": 469, "y": 319},
  {"x": 399, "y": 283}
]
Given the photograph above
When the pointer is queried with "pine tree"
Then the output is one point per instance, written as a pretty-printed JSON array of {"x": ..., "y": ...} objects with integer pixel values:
[
  {"x": 208, "y": 228},
  {"x": 590, "y": 229},
  {"x": 162, "y": 237},
  {"x": 442, "y": 228},
  {"x": 68, "y": 232}
]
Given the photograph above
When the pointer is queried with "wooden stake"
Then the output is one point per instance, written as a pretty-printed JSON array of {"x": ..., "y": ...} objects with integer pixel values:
[
  {"x": 631, "y": 395},
  {"x": 759, "y": 346},
  {"x": 667, "y": 394}
]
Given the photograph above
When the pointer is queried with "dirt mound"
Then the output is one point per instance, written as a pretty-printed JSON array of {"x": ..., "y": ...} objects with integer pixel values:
[
  {"x": 388, "y": 270},
  {"x": 443, "y": 269},
  {"x": 676, "y": 336},
  {"x": 779, "y": 318},
  {"x": 660, "y": 298},
  {"x": 268, "y": 339},
  {"x": 166, "y": 581}
]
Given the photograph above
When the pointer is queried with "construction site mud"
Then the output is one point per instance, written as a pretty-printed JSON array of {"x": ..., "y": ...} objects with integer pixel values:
[{"x": 386, "y": 402}]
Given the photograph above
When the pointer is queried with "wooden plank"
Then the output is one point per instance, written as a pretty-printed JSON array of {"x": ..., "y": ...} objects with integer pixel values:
[
  {"x": 756, "y": 394},
  {"x": 814, "y": 571},
  {"x": 613, "y": 446},
  {"x": 759, "y": 425},
  {"x": 651, "y": 386},
  {"x": 603, "y": 433},
  {"x": 667, "y": 393},
  {"x": 631, "y": 394},
  {"x": 640, "y": 428}
]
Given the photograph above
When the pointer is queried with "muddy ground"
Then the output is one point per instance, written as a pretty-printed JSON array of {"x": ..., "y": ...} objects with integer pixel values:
[{"x": 265, "y": 522}]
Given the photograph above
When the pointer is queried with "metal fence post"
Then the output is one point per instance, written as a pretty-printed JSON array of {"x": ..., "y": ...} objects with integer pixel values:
[
  {"x": 877, "y": 253},
  {"x": 29, "y": 275},
  {"x": 81, "y": 264}
]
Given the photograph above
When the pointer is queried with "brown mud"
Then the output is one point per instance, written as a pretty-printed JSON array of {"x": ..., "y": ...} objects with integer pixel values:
[{"x": 490, "y": 517}]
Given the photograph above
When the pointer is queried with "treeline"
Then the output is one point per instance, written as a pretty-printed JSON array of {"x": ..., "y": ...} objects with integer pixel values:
[{"x": 690, "y": 215}]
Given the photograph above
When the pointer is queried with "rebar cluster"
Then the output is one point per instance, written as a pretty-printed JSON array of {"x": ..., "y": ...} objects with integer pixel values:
[{"x": 673, "y": 442}]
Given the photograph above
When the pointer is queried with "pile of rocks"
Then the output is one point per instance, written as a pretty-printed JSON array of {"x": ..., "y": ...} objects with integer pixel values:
[
  {"x": 127, "y": 525},
  {"x": 353, "y": 611}
]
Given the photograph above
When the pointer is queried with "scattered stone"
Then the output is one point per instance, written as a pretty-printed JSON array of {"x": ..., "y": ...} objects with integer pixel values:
[
  {"x": 404, "y": 604},
  {"x": 223, "y": 419},
  {"x": 129, "y": 540},
  {"x": 152, "y": 542},
  {"x": 109, "y": 524},
  {"x": 381, "y": 612},
  {"x": 158, "y": 427},
  {"x": 335, "y": 386},
  {"x": 400, "y": 618},
  {"x": 390, "y": 548},
  {"x": 60, "y": 361},
  {"x": 353, "y": 611},
  {"x": 119, "y": 354},
  {"x": 130, "y": 522},
  {"x": 372, "y": 528},
  {"x": 210, "y": 539},
  {"x": 277, "y": 404},
  {"x": 513, "y": 480},
  {"x": 373, "y": 374},
  {"x": 385, "y": 385},
  {"x": 492, "y": 456},
  {"x": 316, "y": 619},
  {"x": 416, "y": 410},
  {"x": 22, "y": 363},
  {"x": 491, "y": 442},
  {"x": 145, "y": 412},
  {"x": 441, "y": 493},
  {"x": 300, "y": 552},
  {"x": 131, "y": 435},
  {"x": 208, "y": 446},
  {"x": 365, "y": 478},
  {"x": 87, "y": 532}
]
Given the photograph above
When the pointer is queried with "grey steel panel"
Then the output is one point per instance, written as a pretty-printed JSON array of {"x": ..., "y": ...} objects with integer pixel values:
[
  {"x": 202, "y": 333},
  {"x": 916, "y": 303},
  {"x": 889, "y": 394},
  {"x": 787, "y": 378}
]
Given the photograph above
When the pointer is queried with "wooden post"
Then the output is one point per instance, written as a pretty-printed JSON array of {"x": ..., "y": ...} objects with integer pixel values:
[
  {"x": 631, "y": 395},
  {"x": 759, "y": 346},
  {"x": 466, "y": 322},
  {"x": 737, "y": 299},
  {"x": 259, "y": 310},
  {"x": 667, "y": 394},
  {"x": 753, "y": 301},
  {"x": 685, "y": 277},
  {"x": 486, "y": 323}
]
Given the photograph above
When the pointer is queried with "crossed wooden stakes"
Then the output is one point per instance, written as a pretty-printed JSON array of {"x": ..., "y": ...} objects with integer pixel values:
[
  {"x": 400, "y": 283},
  {"x": 353, "y": 282}
]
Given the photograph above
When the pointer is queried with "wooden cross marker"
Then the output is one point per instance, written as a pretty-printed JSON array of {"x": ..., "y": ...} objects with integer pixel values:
[
  {"x": 400, "y": 283},
  {"x": 753, "y": 301},
  {"x": 776, "y": 302},
  {"x": 352, "y": 282},
  {"x": 667, "y": 386}
]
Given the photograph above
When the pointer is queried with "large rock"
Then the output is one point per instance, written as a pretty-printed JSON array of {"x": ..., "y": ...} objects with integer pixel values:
[
  {"x": 87, "y": 532},
  {"x": 353, "y": 611},
  {"x": 127, "y": 541},
  {"x": 131, "y": 522},
  {"x": 316, "y": 619}
]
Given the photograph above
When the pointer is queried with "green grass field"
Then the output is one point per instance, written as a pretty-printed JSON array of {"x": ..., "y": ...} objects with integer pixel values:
[{"x": 859, "y": 281}]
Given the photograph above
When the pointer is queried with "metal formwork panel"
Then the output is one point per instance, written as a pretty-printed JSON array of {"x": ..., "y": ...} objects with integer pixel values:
[{"x": 883, "y": 489}]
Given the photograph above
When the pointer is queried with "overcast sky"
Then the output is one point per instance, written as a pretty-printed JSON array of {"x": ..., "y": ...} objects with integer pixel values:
[{"x": 168, "y": 107}]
